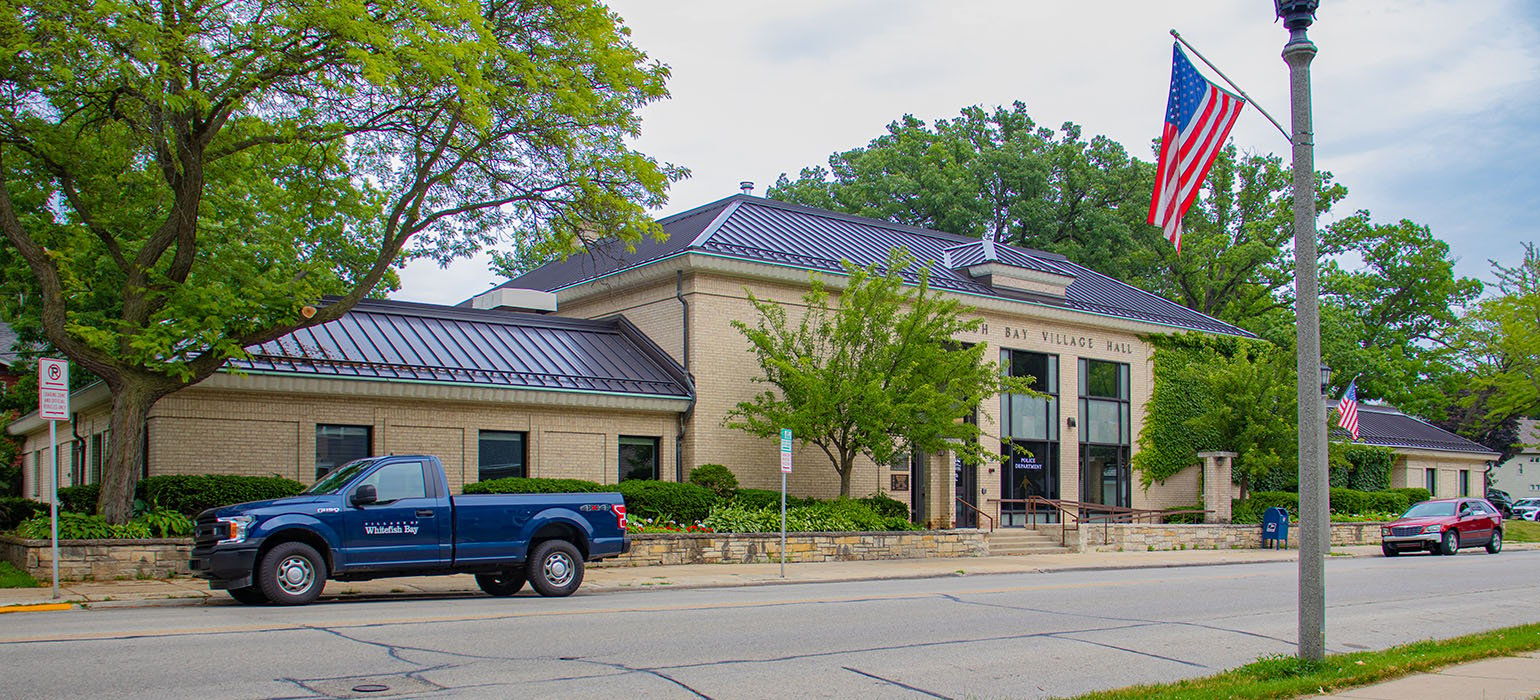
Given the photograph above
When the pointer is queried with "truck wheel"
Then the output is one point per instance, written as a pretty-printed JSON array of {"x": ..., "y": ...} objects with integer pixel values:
[
  {"x": 556, "y": 569},
  {"x": 292, "y": 573},
  {"x": 502, "y": 583},
  {"x": 249, "y": 595}
]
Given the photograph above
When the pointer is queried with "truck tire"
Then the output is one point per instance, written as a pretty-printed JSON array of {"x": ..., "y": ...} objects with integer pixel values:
[
  {"x": 249, "y": 595},
  {"x": 291, "y": 573},
  {"x": 503, "y": 583},
  {"x": 556, "y": 569}
]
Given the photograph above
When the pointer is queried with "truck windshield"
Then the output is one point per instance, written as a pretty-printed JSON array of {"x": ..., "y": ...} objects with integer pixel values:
[{"x": 339, "y": 477}]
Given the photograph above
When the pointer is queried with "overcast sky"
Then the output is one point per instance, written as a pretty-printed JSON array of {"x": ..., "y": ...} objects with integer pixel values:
[{"x": 1428, "y": 111}]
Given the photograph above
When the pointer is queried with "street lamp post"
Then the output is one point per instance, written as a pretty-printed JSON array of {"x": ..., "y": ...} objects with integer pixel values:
[{"x": 1314, "y": 513}]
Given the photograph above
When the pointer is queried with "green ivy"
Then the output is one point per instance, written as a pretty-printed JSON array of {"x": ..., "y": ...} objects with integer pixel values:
[
  {"x": 1360, "y": 467},
  {"x": 1168, "y": 444}
]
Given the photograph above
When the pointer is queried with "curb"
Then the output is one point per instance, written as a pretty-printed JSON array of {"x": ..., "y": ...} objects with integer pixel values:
[{"x": 35, "y": 607}]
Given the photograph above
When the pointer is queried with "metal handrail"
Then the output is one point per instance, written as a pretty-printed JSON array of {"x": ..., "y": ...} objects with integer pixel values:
[
  {"x": 1081, "y": 512},
  {"x": 980, "y": 512}
]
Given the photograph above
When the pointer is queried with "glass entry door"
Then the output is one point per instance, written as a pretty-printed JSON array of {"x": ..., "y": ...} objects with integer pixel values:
[{"x": 1034, "y": 473}]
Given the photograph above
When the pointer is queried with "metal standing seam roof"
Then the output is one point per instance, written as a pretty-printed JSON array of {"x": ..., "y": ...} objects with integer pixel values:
[
  {"x": 1387, "y": 427},
  {"x": 381, "y": 339},
  {"x": 763, "y": 230}
]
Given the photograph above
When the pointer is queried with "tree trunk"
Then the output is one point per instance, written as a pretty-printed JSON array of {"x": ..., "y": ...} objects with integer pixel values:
[
  {"x": 847, "y": 465},
  {"x": 131, "y": 402}
]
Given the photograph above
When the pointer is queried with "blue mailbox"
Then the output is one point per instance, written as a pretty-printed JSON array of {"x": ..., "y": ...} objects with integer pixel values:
[{"x": 1275, "y": 528}]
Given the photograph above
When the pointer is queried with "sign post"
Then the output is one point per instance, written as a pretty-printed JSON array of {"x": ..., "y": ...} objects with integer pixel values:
[
  {"x": 785, "y": 469},
  {"x": 53, "y": 405}
]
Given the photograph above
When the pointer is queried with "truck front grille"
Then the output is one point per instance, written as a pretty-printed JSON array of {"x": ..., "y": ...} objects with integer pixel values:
[{"x": 208, "y": 531}]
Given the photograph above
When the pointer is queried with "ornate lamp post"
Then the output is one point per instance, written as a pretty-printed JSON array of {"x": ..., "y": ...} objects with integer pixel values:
[{"x": 1314, "y": 515}]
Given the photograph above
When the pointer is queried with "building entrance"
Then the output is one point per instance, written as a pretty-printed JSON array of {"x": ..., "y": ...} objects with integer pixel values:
[{"x": 1035, "y": 473}]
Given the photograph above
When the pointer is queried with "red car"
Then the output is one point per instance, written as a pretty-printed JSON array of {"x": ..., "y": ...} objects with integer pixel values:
[{"x": 1443, "y": 526}]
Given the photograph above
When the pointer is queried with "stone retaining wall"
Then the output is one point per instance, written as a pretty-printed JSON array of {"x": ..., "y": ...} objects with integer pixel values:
[
  {"x": 1147, "y": 537},
  {"x": 101, "y": 560},
  {"x": 722, "y": 548}
]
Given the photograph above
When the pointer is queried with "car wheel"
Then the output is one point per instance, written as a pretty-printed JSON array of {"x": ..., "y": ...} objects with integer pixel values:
[
  {"x": 249, "y": 595},
  {"x": 1450, "y": 544},
  {"x": 1389, "y": 550},
  {"x": 292, "y": 573},
  {"x": 556, "y": 569},
  {"x": 502, "y": 583},
  {"x": 1496, "y": 545}
]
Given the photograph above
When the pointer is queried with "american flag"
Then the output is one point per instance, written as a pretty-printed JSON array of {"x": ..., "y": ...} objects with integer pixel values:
[
  {"x": 1347, "y": 409},
  {"x": 1198, "y": 118}
]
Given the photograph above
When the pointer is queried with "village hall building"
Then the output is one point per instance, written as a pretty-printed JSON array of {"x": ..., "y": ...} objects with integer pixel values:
[{"x": 623, "y": 364}]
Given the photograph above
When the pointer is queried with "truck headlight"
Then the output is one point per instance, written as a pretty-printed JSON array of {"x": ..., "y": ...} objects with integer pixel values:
[{"x": 236, "y": 529}]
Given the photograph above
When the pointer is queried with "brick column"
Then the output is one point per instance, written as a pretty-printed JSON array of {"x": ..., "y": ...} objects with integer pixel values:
[{"x": 1217, "y": 484}]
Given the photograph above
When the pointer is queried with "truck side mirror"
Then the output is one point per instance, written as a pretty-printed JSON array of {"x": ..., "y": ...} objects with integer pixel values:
[{"x": 365, "y": 495}]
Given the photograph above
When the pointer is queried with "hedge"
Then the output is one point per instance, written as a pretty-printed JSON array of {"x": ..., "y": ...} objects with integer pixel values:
[
  {"x": 191, "y": 494},
  {"x": 14, "y": 510},
  {"x": 80, "y": 499},
  {"x": 517, "y": 484},
  {"x": 667, "y": 500},
  {"x": 1343, "y": 502}
]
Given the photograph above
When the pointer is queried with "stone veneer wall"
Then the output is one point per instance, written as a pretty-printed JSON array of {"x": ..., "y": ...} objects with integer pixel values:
[
  {"x": 721, "y": 548},
  {"x": 102, "y": 560},
  {"x": 1144, "y": 537}
]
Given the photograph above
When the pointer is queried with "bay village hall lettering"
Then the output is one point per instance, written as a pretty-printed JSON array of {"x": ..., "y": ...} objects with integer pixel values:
[{"x": 1065, "y": 339}]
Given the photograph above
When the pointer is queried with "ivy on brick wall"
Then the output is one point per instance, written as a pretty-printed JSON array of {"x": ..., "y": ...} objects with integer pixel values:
[
  {"x": 1167, "y": 444},
  {"x": 1360, "y": 467}
]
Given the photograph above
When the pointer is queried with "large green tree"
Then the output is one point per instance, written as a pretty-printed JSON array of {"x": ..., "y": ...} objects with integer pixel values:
[
  {"x": 182, "y": 179},
  {"x": 877, "y": 374},
  {"x": 1498, "y": 346}
]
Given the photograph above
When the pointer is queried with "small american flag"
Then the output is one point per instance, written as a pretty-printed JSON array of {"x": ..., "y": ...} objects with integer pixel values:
[
  {"x": 1198, "y": 119},
  {"x": 1347, "y": 409}
]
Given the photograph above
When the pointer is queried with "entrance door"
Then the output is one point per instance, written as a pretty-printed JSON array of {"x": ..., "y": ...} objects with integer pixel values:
[
  {"x": 1035, "y": 473},
  {"x": 1104, "y": 475},
  {"x": 917, "y": 490},
  {"x": 966, "y": 482}
]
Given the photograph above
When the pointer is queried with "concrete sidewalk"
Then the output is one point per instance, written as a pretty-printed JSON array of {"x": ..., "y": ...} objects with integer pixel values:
[{"x": 1509, "y": 677}]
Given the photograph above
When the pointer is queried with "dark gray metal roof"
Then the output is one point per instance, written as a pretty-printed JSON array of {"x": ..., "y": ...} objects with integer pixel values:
[
  {"x": 380, "y": 339},
  {"x": 1387, "y": 427},
  {"x": 764, "y": 230},
  {"x": 7, "y": 347}
]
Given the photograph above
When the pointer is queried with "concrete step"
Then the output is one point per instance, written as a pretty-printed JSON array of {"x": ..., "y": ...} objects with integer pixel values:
[{"x": 1018, "y": 541}]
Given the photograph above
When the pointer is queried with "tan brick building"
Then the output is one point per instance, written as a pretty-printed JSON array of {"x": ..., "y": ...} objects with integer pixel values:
[
  {"x": 1076, "y": 331},
  {"x": 491, "y": 393}
]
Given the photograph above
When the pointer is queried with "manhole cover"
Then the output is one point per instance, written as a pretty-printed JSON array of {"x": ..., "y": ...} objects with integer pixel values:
[{"x": 370, "y": 686}]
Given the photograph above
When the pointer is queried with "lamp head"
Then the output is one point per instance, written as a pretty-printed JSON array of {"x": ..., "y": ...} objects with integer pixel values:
[{"x": 1296, "y": 14}]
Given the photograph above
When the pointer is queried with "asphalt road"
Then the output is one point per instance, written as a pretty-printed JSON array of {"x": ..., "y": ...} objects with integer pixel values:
[{"x": 1019, "y": 635}]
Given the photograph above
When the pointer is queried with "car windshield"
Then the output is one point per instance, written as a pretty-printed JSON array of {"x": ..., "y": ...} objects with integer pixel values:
[
  {"x": 1428, "y": 509},
  {"x": 339, "y": 477}
]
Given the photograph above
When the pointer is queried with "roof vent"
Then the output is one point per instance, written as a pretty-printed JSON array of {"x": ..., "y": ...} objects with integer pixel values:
[
  {"x": 512, "y": 299},
  {"x": 747, "y": 186}
]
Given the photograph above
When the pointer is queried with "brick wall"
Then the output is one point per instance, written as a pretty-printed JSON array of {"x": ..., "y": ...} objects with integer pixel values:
[
  {"x": 101, "y": 560},
  {"x": 695, "y": 548},
  {"x": 1145, "y": 537}
]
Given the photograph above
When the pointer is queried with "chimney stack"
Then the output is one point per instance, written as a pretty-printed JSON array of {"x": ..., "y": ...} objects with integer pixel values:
[{"x": 747, "y": 186}]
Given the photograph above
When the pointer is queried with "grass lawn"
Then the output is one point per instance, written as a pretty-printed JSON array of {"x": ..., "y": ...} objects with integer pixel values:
[
  {"x": 1292, "y": 677},
  {"x": 1521, "y": 531},
  {"x": 12, "y": 577}
]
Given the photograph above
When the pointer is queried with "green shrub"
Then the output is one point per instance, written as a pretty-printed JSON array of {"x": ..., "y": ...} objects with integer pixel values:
[
  {"x": 191, "y": 494},
  {"x": 844, "y": 515},
  {"x": 1348, "y": 502},
  {"x": 79, "y": 526},
  {"x": 15, "y": 510},
  {"x": 764, "y": 498},
  {"x": 1252, "y": 509},
  {"x": 1387, "y": 502},
  {"x": 80, "y": 499},
  {"x": 10, "y": 476},
  {"x": 1185, "y": 518},
  {"x": 716, "y": 477},
  {"x": 683, "y": 503},
  {"x": 886, "y": 506},
  {"x": 1412, "y": 495},
  {"x": 163, "y": 522},
  {"x": 516, "y": 484}
]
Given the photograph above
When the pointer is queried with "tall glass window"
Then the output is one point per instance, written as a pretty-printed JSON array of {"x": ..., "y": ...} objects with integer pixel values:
[
  {"x": 336, "y": 445},
  {"x": 1030, "y": 428},
  {"x": 502, "y": 455},
  {"x": 1105, "y": 432},
  {"x": 638, "y": 457}
]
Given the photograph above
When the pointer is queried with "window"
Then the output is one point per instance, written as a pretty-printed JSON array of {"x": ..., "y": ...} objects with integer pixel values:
[
  {"x": 1464, "y": 482},
  {"x": 502, "y": 455},
  {"x": 336, "y": 445},
  {"x": 1105, "y": 432},
  {"x": 37, "y": 474},
  {"x": 98, "y": 456},
  {"x": 638, "y": 458},
  {"x": 394, "y": 482},
  {"x": 1430, "y": 481},
  {"x": 1030, "y": 417}
]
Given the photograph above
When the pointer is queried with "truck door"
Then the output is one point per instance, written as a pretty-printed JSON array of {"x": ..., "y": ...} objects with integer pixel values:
[{"x": 401, "y": 529}]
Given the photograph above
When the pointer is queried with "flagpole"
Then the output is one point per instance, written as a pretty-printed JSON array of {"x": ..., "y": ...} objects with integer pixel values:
[{"x": 1238, "y": 89}]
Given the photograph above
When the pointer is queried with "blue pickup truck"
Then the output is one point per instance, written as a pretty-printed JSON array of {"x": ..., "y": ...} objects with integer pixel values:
[{"x": 393, "y": 516}]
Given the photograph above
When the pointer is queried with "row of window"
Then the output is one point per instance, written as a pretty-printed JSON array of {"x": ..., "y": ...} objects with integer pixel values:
[
  {"x": 1430, "y": 482},
  {"x": 501, "y": 453},
  {"x": 1031, "y": 432},
  {"x": 85, "y": 462}
]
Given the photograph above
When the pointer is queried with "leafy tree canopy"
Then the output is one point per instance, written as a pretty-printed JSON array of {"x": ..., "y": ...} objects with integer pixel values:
[
  {"x": 178, "y": 181},
  {"x": 877, "y": 374}
]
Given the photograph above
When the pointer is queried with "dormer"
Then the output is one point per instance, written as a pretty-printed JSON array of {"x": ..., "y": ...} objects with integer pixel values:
[{"x": 1006, "y": 269}]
